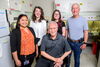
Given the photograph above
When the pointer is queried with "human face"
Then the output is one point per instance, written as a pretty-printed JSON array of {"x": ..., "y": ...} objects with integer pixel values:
[
  {"x": 37, "y": 13},
  {"x": 53, "y": 30},
  {"x": 23, "y": 21},
  {"x": 56, "y": 15},
  {"x": 75, "y": 10}
]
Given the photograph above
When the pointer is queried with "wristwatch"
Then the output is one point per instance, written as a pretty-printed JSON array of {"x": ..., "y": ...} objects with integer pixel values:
[{"x": 84, "y": 42}]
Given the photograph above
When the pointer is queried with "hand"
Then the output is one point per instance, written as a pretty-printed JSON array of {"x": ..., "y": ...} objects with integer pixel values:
[
  {"x": 58, "y": 62},
  {"x": 57, "y": 65},
  {"x": 18, "y": 63},
  {"x": 83, "y": 46}
]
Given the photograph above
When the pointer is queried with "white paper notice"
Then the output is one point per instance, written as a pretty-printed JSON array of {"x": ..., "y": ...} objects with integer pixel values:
[{"x": 0, "y": 50}]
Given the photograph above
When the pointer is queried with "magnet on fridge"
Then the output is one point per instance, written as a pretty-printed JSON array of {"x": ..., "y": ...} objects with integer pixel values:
[
  {"x": 23, "y": 2},
  {"x": 81, "y": 3}
]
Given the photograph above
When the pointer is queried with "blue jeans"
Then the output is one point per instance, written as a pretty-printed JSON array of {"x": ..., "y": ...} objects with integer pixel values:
[{"x": 75, "y": 46}]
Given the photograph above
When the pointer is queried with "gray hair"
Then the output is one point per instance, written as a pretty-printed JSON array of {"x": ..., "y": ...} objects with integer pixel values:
[
  {"x": 52, "y": 22},
  {"x": 75, "y": 4}
]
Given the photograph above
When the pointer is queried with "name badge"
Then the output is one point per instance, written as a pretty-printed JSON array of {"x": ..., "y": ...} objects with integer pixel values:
[{"x": 26, "y": 62}]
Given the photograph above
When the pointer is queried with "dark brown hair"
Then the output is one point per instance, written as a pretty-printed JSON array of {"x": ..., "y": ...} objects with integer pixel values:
[
  {"x": 42, "y": 14},
  {"x": 53, "y": 19},
  {"x": 18, "y": 20}
]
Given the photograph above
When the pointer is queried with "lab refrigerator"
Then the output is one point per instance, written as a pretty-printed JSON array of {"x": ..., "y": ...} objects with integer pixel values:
[{"x": 5, "y": 51}]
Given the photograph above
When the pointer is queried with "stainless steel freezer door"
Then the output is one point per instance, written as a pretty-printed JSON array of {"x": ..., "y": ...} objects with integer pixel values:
[{"x": 6, "y": 58}]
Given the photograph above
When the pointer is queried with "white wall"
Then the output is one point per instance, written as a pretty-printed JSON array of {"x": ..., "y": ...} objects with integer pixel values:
[
  {"x": 47, "y": 5},
  {"x": 23, "y": 5},
  {"x": 16, "y": 7},
  {"x": 4, "y": 4},
  {"x": 89, "y": 9}
]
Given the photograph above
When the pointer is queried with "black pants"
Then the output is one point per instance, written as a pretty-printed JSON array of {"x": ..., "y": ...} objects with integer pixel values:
[
  {"x": 30, "y": 58},
  {"x": 43, "y": 62}
]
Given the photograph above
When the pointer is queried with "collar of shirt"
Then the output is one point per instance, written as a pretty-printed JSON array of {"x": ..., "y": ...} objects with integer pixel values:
[{"x": 57, "y": 37}]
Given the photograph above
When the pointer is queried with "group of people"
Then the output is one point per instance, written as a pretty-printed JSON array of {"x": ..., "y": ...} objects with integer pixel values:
[{"x": 51, "y": 43}]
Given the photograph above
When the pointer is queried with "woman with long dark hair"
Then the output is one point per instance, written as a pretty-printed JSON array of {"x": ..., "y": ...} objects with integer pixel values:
[
  {"x": 23, "y": 43},
  {"x": 38, "y": 23}
]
